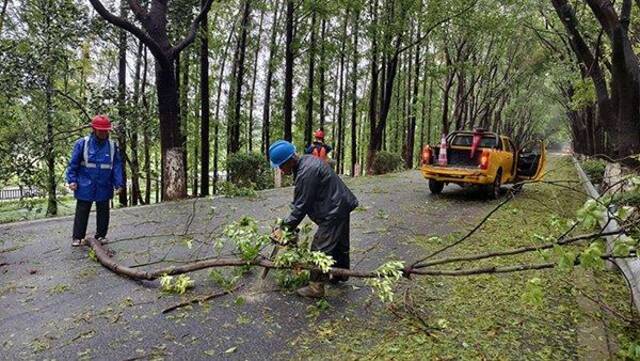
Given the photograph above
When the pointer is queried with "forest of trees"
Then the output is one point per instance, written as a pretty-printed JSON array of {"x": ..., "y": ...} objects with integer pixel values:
[{"x": 189, "y": 83}]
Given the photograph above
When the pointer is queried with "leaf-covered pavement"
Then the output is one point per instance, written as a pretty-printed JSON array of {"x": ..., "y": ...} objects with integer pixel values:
[{"x": 58, "y": 303}]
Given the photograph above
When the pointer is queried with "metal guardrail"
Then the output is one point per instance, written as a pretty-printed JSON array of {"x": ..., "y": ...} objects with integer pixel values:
[
  {"x": 630, "y": 267},
  {"x": 19, "y": 193}
]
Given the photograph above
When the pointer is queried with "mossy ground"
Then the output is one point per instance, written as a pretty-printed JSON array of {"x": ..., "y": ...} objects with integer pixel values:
[{"x": 487, "y": 317}]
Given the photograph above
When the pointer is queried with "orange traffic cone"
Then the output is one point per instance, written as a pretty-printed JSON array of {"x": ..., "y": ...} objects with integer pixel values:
[{"x": 442, "y": 157}]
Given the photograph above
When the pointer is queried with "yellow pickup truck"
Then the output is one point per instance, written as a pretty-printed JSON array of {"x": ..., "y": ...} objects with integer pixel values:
[{"x": 481, "y": 158}]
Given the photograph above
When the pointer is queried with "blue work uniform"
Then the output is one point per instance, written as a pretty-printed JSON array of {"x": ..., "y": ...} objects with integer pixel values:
[{"x": 96, "y": 167}]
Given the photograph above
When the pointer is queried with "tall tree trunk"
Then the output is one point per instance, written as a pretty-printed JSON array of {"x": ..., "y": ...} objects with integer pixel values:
[
  {"x": 321, "y": 70},
  {"x": 340, "y": 146},
  {"x": 409, "y": 155},
  {"x": 253, "y": 82},
  {"x": 52, "y": 203},
  {"x": 135, "y": 127},
  {"x": 156, "y": 38},
  {"x": 145, "y": 134},
  {"x": 122, "y": 94},
  {"x": 216, "y": 124},
  {"x": 266, "y": 111},
  {"x": 184, "y": 104},
  {"x": 373, "y": 88},
  {"x": 234, "y": 123},
  {"x": 204, "y": 105},
  {"x": 308, "y": 125},
  {"x": 288, "y": 72},
  {"x": 354, "y": 98}
]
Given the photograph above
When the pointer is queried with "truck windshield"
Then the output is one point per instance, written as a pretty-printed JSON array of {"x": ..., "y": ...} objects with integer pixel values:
[{"x": 465, "y": 140}]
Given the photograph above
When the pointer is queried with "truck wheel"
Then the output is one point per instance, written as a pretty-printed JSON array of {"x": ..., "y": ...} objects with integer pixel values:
[
  {"x": 494, "y": 190},
  {"x": 435, "y": 186}
]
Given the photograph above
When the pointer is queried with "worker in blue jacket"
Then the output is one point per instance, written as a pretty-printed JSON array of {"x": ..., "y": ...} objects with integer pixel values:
[{"x": 94, "y": 171}]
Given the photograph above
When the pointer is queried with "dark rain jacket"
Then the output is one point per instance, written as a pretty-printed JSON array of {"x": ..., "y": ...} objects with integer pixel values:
[{"x": 319, "y": 193}]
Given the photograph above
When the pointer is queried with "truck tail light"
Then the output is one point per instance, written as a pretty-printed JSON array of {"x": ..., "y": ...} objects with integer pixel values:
[
  {"x": 484, "y": 160},
  {"x": 426, "y": 155}
]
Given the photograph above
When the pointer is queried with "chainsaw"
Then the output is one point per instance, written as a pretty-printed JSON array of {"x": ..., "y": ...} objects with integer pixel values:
[{"x": 282, "y": 240}]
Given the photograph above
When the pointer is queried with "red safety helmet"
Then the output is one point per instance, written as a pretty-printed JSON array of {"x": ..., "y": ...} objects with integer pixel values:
[
  {"x": 101, "y": 122},
  {"x": 319, "y": 134}
]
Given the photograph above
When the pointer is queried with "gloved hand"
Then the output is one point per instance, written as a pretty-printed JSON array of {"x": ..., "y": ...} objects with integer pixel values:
[{"x": 284, "y": 237}]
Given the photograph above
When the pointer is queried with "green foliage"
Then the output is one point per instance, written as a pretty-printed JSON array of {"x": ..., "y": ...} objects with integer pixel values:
[
  {"x": 249, "y": 170},
  {"x": 591, "y": 257},
  {"x": 386, "y": 162},
  {"x": 247, "y": 238},
  {"x": 591, "y": 213},
  {"x": 292, "y": 280},
  {"x": 92, "y": 255},
  {"x": 594, "y": 168},
  {"x": 231, "y": 190},
  {"x": 224, "y": 282},
  {"x": 178, "y": 285},
  {"x": 584, "y": 95},
  {"x": 388, "y": 274},
  {"x": 631, "y": 352}
]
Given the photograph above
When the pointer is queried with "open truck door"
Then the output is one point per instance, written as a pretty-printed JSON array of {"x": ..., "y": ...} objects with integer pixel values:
[{"x": 531, "y": 161}]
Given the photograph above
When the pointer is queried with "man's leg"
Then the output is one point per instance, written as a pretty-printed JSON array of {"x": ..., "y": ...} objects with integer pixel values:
[
  {"x": 341, "y": 251},
  {"x": 102, "y": 219},
  {"x": 322, "y": 242},
  {"x": 80, "y": 221}
]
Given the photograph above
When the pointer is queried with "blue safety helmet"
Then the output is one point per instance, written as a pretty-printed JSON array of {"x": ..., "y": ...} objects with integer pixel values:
[{"x": 280, "y": 152}]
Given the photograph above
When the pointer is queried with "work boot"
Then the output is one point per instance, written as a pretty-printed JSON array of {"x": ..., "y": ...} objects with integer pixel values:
[{"x": 313, "y": 290}]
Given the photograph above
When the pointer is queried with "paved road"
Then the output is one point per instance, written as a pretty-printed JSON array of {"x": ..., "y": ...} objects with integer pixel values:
[{"x": 55, "y": 303}]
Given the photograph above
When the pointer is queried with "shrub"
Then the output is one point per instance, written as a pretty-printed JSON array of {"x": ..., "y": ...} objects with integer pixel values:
[
  {"x": 386, "y": 162},
  {"x": 249, "y": 170},
  {"x": 231, "y": 190},
  {"x": 594, "y": 169}
]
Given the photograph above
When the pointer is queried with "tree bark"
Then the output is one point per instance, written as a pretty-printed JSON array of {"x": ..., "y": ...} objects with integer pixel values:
[
  {"x": 354, "y": 97},
  {"x": 253, "y": 82},
  {"x": 288, "y": 72},
  {"x": 308, "y": 125},
  {"x": 625, "y": 74},
  {"x": 204, "y": 105},
  {"x": 340, "y": 145},
  {"x": 321, "y": 70},
  {"x": 216, "y": 124},
  {"x": 266, "y": 111},
  {"x": 135, "y": 127},
  {"x": 122, "y": 105},
  {"x": 52, "y": 202},
  {"x": 155, "y": 37},
  {"x": 409, "y": 155},
  {"x": 145, "y": 134},
  {"x": 234, "y": 123},
  {"x": 373, "y": 88}
]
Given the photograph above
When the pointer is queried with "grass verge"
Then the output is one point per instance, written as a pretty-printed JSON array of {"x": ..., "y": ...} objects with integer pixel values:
[{"x": 532, "y": 315}]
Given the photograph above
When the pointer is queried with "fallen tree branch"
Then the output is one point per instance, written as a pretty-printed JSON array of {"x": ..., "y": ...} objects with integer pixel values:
[
  {"x": 560, "y": 242},
  {"x": 469, "y": 234},
  {"x": 202, "y": 299},
  {"x": 104, "y": 258}
]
